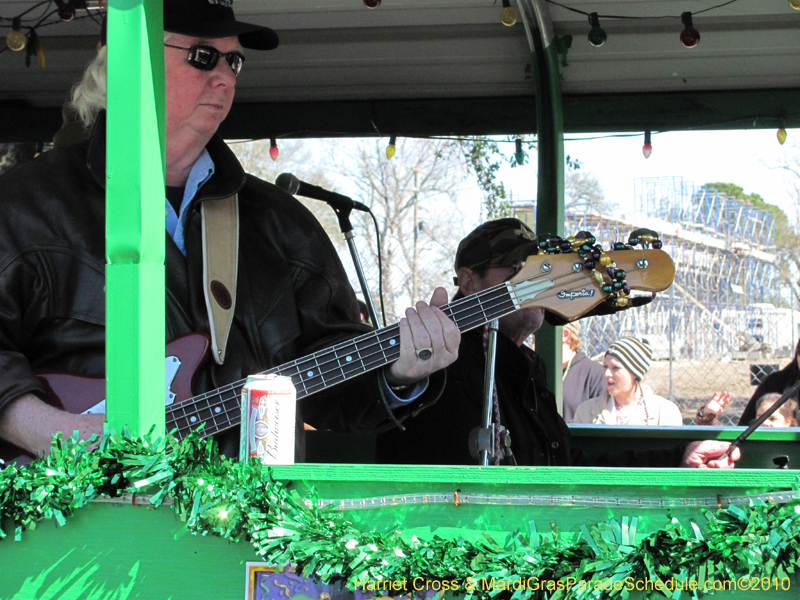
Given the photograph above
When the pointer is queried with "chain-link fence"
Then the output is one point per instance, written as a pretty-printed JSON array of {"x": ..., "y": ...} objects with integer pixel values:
[{"x": 690, "y": 372}]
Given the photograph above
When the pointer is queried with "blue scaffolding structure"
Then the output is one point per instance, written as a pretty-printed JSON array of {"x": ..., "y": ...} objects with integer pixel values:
[{"x": 726, "y": 295}]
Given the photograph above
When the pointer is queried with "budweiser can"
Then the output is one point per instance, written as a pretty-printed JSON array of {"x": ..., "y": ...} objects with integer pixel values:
[{"x": 268, "y": 420}]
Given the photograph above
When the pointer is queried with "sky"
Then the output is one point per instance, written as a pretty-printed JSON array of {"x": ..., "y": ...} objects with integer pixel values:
[{"x": 746, "y": 158}]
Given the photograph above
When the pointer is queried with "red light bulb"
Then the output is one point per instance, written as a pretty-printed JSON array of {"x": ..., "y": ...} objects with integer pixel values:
[
  {"x": 690, "y": 37},
  {"x": 647, "y": 149},
  {"x": 273, "y": 149},
  {"x": 65, "y": 10}
]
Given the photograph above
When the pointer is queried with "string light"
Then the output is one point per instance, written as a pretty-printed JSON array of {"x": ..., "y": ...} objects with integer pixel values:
[
  {"x": 782, "y": 130},
  {"x": 65, "y": 10},
  {"x": 690, "y": 37},
  {"x": 372, "y": 3},
  {"x": 390, "y": 149},
  {"x": 508, "y": 16},
  {"x": 795, "y": 4},
  {"x": 647, "y": 149},
  {"x": 519, "y": 154},
  {"x": 34, "y": 49},
  {"x": 597, "y": 36},
  {"x": 16, "y": 40},
  {"x": 273, "y": 149}
]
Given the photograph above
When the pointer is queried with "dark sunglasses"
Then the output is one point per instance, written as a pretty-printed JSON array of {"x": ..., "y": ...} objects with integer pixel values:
[{"x": 205, "y": 57}]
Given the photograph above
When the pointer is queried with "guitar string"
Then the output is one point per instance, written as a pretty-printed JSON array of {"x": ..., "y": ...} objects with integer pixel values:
[
  {"x": 464, "y": 308},
  {"x": 319, "y": 381},
  {"x": 494, "y": 297},
  {"x": 476, "y": 303}
]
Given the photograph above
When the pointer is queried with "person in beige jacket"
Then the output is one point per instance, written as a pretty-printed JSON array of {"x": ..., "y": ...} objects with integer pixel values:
[{"x": 627, "y": 401}]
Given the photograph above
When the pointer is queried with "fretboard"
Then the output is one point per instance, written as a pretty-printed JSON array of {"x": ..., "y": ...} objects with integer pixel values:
[{"x": 220, "y": 409}]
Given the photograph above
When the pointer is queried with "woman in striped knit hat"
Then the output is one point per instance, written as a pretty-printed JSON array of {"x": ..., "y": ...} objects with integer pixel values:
[{"x": 627, "y": 401}]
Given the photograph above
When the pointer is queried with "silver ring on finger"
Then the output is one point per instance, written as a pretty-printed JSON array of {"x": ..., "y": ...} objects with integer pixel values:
[{"x": 424, "y": 353}]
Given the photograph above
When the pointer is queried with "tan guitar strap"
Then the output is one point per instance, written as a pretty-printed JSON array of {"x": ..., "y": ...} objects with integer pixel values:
[{"x": 220, "y": 259}]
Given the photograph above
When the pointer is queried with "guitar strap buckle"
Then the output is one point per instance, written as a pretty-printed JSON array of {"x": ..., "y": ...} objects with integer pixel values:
[{"x": 220, "y": 237}]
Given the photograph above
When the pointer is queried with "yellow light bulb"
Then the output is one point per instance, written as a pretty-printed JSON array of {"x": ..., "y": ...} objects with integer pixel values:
[
  {"x": 390, "y": 151},
  {"x": 16, "y": 40},
  {"x": 40, "y": 55},
  {"x": 781, "y": 136},
  {"x": 508, "y": 16},
  {"x": 795, "y": 4}
]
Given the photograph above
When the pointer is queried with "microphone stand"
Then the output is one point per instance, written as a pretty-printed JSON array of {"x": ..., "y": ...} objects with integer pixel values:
[
  {"x": 343, "y": 215},
  {"x": 482, "y": 438}
]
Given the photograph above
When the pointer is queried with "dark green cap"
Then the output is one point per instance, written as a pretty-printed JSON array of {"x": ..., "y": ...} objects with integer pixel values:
[{"x": 500, "y": 243}]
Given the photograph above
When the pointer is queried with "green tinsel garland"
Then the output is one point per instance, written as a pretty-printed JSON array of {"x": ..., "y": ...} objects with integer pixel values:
[{"x": 242, "y": 502}]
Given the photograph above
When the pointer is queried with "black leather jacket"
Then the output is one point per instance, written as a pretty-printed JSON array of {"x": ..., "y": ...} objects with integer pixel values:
[{"x": 293, "y": 296}]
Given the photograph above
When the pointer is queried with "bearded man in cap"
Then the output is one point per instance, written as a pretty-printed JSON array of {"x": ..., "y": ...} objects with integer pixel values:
[
  {"x": 292, "y": 296},
  {"x": 536, "y": 434}
]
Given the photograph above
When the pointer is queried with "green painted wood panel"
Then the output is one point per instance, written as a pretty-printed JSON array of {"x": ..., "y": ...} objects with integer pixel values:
[
  {"x": 135, "y": 244},
  {"x": 118, "y": 551}
]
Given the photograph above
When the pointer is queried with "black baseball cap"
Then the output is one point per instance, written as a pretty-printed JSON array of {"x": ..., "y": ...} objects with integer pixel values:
[
  {"x": 499, "y": 243},
  {"x": 215, "y": 19}
]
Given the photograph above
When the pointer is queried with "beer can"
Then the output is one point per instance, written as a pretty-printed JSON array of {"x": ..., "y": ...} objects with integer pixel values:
[{"x": 268, "y": 419}]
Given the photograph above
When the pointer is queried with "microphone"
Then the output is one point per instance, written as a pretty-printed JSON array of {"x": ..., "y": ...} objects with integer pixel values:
[{"x": 289, "y": 183}]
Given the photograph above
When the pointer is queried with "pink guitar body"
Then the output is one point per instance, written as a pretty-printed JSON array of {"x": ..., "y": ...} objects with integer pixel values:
[{"x": 76, "y": 394}]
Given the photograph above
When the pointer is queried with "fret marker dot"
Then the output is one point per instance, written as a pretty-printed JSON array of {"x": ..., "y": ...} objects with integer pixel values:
[
  {"x": 193, "y": 419},
  {"x": 392, "y": 342},
  {"x": 311, "y": 373},
  {"x": 218, "y": 410},
  {"x": 349, "y": 358}
]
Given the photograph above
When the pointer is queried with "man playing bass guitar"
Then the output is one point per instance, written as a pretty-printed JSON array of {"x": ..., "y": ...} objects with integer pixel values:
[{"x": 292, "y": 296}]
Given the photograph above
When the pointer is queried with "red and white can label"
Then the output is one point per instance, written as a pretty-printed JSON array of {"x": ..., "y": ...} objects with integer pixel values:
[{"x": 269, "y": 404}]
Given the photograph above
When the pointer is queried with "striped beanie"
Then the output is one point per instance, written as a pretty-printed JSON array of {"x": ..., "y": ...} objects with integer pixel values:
[{"x": 633, "y": 353}]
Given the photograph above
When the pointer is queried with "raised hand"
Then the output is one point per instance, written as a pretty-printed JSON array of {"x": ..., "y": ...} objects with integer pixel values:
[{"x": 708, "y": 413}]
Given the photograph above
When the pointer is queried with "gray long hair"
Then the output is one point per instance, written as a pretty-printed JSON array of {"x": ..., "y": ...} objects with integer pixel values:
[{"x": 89, "y": 94}]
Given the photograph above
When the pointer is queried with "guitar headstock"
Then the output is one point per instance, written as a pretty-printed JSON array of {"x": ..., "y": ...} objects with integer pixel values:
[{"x": 576, "y": 291}]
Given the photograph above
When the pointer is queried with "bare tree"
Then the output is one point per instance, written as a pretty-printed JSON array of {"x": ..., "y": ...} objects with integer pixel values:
[
  {"x": 786, "y": 230},
  {"x": 296, "y": 157},
  {"x": 414, "y": 199},
  {"x": 584, "y": 193}
]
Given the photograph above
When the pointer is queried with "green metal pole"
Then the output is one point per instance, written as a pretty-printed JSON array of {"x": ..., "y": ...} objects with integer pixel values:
[
  {"x": 550, "y": 193},
  {"x": 135, "y": 248}
]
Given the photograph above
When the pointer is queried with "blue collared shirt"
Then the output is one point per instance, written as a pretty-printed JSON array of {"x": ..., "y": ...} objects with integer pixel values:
[{"x": 202, "y": 170}]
